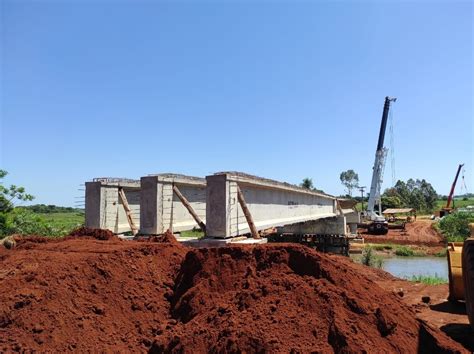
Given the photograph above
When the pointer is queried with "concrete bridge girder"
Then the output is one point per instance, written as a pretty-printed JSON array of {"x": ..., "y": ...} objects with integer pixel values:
[{"x": 271, "y": 204}]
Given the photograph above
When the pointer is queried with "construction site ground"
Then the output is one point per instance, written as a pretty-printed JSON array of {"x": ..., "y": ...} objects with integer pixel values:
[
  {"x": 99, "y": 293},
  {"x": 448, "y": 316},
  {"x": 419, "y": 235}
]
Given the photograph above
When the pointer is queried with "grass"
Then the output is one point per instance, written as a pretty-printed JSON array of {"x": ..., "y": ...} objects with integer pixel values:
[
  {"x": 458, "y": 203},
  {"x": 400, "y": 250},
  {"x": 428, "y": 279},
  {"x": 406, "y": 251},
  {"x": 64, "y": 221},
  {"x": 382, "y": 246},
  {"x": 192, "y": 233},
  {"x": 442, "y": 253}
]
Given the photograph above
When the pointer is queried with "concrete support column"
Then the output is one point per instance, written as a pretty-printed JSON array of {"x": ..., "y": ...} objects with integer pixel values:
[
  {"x": 104, "y": 209},
  {"x": 94, "y": 208},
  {"x": 161, "y": 209}
]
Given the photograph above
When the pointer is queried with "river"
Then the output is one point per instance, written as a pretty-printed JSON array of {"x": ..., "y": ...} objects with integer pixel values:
[{"x": 406, "y": 267}]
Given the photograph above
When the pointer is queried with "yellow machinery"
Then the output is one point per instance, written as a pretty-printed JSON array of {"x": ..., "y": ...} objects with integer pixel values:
[
  {"x": 461, "y": 273},
  {"x": 456, "y": 284}
]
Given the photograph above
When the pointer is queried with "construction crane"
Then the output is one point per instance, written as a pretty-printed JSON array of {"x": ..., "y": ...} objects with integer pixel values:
[
  {"x": 378, "y": 225},
  {"x": 447, "y": 209}
]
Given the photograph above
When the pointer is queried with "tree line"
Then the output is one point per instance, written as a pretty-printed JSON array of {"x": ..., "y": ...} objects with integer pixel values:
[{"x": 414, "y": 193}]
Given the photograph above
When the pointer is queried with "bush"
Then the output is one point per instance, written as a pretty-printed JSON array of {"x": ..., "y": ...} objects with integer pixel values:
[
  {"x": 455, "y": 227},
  {"x": 404, "y": 251},
  {"x": 369, "y": 258},
  {"x": 24, "y": 222}
]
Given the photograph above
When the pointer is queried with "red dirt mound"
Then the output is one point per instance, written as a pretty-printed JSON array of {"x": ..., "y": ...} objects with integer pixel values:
[
  {"x": 287, "y": 298},
  {"x": 19, "y": 239},
  {"x": 86, "y": 295},
  {"x": 99, "y": 234},
  {"x": 167, "y": 237}
]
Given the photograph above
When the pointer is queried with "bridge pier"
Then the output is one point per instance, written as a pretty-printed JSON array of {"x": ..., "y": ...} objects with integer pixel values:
[
  {"x": 162, "y": 209},
  {"x": 104, "y": 207}
]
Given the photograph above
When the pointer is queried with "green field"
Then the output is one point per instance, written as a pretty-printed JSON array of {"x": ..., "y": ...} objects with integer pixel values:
[
  {"x": 458, "y": 203},
  {"x": 64, "y": 221}
]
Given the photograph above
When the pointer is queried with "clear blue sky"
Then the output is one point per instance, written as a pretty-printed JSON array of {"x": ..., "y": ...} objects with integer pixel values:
[{"x": 283, "y": 90}]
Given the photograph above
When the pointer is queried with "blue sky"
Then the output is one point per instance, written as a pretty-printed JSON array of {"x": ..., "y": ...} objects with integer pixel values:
[{"x": 283, "y": 90}]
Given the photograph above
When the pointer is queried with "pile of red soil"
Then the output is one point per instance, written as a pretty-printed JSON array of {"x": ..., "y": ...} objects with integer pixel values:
[
  {"x": 83, "y": 294},
  {"x": 99, "y": 234},
  {"x": 282, "y": 298}
]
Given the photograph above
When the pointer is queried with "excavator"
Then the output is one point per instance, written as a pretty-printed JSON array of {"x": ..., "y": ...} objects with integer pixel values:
[{"x": 377, "y": 224}]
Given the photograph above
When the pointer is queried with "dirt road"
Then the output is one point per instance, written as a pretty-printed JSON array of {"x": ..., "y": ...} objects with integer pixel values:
[{"x": 420, "y": 232}]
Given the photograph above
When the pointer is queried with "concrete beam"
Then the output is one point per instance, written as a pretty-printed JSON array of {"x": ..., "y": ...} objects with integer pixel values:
[
  {"x": 161, "y": 209},
  {"x": 336, "y": 225},
  {"x": 270, "y": 203},
  {"x": 105, "y": 210}
]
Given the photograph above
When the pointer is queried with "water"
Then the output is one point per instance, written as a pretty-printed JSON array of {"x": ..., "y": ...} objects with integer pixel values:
[{"x": 406, "y": 267}]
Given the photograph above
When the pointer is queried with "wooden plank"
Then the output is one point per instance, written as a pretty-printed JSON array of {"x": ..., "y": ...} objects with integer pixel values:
[
  {"x": 128, "y": 211},
  {"x": 248, "y": 216},
  {"x": 188, "y": 206}
]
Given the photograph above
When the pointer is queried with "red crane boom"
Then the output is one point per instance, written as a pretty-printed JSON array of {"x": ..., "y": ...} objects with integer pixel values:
[{"x": 451, "y": 193}]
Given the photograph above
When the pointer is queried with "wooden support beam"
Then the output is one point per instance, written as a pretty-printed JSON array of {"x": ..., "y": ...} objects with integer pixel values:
[
  {"x": 188, "y": 206},
  {"x": 128, "y": 211},
  {"x": 248, "y": 216}
]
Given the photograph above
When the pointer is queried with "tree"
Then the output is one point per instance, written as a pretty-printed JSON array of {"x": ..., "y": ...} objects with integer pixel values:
[
  {"x": 418, "y": 194},
  {"x": 9, "y": 194},
  {"x": 307, "y": 183},
  {"x": 350, "y": 179},
  {"x": 7, "y": 197}
]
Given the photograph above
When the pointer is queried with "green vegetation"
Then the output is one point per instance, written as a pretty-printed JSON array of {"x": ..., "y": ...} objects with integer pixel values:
[
  {"x": 350, "y": 180},
  {"x": 398, "y": 250},
  {"x": 428, "y": 279},
  {"x": 406, "y": 251},
  {"x": 458, "y": 202},
  {"x": 369, "y": 258},
  {"x": 192, "y": 233},
  {"x": 389, "y": 202},
  {"x": 65, "y": 222},
  {"x": 455, "y": 227},
  {"x": 382, "y": 247},
  {"x": 308, "y": 184},
  {"x": 24, "y": 221},
  {"x": 417, "y": 194},
  {"x": 442, "y": 253},
  {"x": 49, "y": 209}
]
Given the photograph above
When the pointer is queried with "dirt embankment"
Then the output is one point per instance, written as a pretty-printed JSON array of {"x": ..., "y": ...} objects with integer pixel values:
[{"x": 83, "y": 294}]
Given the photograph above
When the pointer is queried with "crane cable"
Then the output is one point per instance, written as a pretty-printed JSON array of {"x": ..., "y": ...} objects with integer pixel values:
[
  {"x": 392, "y": 147},
  {"x": 463, "y": 182}
]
